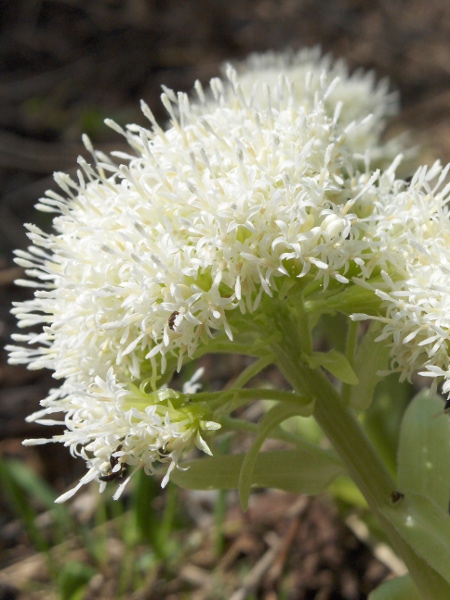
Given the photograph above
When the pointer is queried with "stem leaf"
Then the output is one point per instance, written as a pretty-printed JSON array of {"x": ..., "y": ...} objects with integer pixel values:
[
  {"x": 425, "y": 527},
  {"x": 305, "y": 470},
  {"x": 371, "y": 358},
  {"x": 276, "y": 415},
  {"x": 400, "y": 588},
  {"x": 335, "y": 362},
  {"x": 424, "y": 450}
]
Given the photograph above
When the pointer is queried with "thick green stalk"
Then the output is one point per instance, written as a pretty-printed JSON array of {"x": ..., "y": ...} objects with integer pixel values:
[{"x": 363, "y": 463}]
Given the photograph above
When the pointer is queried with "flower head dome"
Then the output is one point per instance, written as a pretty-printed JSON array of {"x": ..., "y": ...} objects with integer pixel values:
[
  {"x": 352, "y": 97},
  {"x": 152, "y": 252},
  {"x": 411, "y": 223}
]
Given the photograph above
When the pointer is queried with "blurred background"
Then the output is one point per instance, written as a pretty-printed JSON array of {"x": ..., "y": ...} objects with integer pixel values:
[{"x": 66, "y": 65}]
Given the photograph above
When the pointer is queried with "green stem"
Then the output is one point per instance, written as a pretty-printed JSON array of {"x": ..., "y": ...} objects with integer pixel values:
[
  {"x": 241, "y": 397},
  {"x": 342, "y": 429},
  {"x": 241, "y": 425},
  {"x": 251, "y": 371},
  {"x": 363, "y": 463},
  {"x": 350, "y": 350}
]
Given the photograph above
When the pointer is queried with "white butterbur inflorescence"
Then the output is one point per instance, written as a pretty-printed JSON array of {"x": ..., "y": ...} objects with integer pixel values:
[
  {"x": 358, "y": 97},
  {"x": 111, "y": 427},
  {"x": 413, "y": 220},
  {"x": 269, "y": 176}
]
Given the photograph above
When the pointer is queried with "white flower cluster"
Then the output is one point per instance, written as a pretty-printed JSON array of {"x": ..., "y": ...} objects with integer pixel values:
[
  {"x": 412, "y": 224},
  {"x": 266, "y": 176},
  {"x": 112, "y": 427},
  {"x": 360, "y": 98},
  {"x": 222, "y": 200}
]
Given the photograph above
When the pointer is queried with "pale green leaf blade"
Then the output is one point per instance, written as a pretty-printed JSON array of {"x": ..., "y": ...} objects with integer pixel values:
[
  {"x": 400, "y": 588},
  {"x": 424, "y": 450},
  {"x": 276, "y": 415},
  {"x": 305, "y": 470},
  {"x": 371, "y": 358},
  {"x": 336, "y": 363},
  {"x": 425, "y": 527}
]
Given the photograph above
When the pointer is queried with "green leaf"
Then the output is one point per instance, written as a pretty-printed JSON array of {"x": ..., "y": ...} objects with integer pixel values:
[
  {"x": 370, "y": 358},
  {"x": 426, "y": 529},
  {"x": 276, "y": 415},
  {"x": 335, "y": 362},
  {"x": 400, "y": 588},
  {"x": 30, "y": 483},
  {"x": 347, "y": 492},
  {"x": 391, "y": 397},
  {"x": 305, "y": 470},
  {"x": 27, "y": 492},
  {"x": 73, "y": 579},
  {"x": 424, "y": 450}
]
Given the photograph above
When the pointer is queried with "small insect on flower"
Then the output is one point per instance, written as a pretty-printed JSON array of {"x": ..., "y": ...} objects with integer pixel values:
[
  {"x": 172, "y": 318},
  {"x": 112, "y": 475}
]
